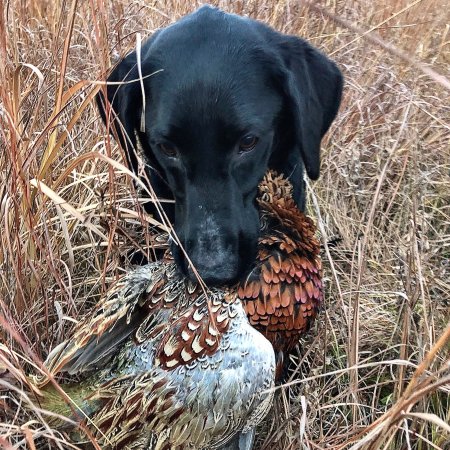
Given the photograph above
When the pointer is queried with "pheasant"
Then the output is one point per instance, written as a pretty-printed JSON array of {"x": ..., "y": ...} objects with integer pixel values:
[{"x": 169, "y": 364}]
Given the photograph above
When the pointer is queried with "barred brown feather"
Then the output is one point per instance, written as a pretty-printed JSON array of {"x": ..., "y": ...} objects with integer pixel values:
[{"x": 283, "y": 293}]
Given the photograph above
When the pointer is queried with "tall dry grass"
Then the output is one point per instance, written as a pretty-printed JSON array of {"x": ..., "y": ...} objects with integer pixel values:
[{"x": 374, "y": 373}]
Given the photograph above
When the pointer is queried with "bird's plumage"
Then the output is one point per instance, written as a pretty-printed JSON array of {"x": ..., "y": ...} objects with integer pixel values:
[
  {"x": 283, "y": 292},
  {"x": 193, "y": 375},
  {"x": 169, "y": 364}
]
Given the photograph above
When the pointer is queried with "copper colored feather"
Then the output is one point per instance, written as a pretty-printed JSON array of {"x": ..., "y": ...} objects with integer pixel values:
[{"x": 283, "y": 293}]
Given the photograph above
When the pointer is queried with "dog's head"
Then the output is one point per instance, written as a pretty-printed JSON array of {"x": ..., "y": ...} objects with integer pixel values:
[{"x": 214, "y": 100}]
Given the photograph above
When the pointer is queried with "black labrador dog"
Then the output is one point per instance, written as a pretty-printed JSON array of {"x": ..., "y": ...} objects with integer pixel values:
[{"x": 214, "y": 101}]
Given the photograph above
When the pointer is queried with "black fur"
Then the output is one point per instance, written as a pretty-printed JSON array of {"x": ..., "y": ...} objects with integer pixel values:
[{"x": 210, "y": 79}]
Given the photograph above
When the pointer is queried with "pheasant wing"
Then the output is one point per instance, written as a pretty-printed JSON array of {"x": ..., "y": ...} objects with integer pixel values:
[{"x": 115, "y": 318}]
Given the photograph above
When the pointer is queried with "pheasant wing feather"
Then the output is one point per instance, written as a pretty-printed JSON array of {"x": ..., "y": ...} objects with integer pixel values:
[{"x": 115, "y": 318}]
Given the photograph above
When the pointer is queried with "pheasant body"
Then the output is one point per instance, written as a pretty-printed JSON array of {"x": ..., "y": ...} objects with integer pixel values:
[{"x": 185, "y": 381}]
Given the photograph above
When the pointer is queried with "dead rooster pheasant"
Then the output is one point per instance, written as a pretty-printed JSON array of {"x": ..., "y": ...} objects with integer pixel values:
[{"x": 167, "y": 364}]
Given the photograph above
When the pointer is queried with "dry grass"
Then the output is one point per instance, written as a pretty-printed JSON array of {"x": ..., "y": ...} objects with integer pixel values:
[{"x": 374, "y": 373}]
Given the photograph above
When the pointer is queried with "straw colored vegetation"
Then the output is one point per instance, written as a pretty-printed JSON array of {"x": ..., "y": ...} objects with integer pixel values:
[{"x": 374, "y": 371}]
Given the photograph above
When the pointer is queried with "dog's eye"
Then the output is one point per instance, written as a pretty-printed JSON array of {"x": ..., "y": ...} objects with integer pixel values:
[
  {"x": 168, "y": 149},
  {"x": 248, "y": 143}
]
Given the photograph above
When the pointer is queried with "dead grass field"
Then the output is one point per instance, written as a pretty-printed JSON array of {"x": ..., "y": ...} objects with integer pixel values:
[{"x": 374, "y": 373}]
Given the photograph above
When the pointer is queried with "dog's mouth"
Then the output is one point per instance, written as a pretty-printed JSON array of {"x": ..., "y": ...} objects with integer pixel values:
[{"x": 218, "y": 266}]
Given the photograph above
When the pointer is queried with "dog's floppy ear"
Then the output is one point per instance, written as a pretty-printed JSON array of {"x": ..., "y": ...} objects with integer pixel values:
[
  {"x": 314, "y": 89},
  {"x": 124, "y": 100},
  {"x": 120, "y": 110}
]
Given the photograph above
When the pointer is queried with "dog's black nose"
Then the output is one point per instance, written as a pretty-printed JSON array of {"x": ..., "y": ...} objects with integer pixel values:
[{"x": 222, "y": 271}]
